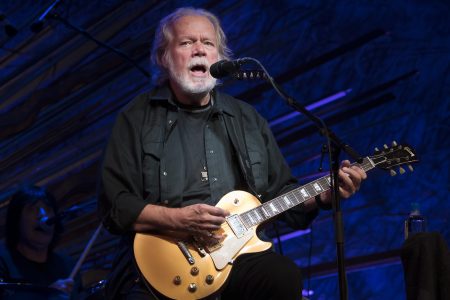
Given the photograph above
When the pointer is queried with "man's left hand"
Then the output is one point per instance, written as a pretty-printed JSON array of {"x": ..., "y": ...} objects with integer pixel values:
[{"x": 350, "y": 178}]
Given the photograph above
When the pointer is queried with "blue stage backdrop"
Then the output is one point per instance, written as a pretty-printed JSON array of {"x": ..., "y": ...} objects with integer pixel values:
[{"x": 375, "y": 71}]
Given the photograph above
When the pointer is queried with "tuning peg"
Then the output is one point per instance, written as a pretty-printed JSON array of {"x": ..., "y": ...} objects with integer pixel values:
[
  {"x": 385, "y": 146},
  {"x": 393, "y": 173},
  {"x": 394, "y": 143},
  {"x": 401, "y": 170},
  {"x": 410, "y": 168}
]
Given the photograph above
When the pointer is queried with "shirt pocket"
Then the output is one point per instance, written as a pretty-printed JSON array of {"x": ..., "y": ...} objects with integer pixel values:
[{"x": 258, "y": 164}]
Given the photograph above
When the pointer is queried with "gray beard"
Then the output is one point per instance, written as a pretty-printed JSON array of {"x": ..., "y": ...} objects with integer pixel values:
[{"x": 190, "y": 87}]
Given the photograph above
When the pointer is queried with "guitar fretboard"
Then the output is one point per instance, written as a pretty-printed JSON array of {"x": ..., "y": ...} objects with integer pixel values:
[{"x": 293, "y": 198}]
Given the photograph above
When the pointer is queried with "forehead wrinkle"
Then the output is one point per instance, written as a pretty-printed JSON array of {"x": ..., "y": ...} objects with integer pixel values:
[{"x": 184, "y": 27}]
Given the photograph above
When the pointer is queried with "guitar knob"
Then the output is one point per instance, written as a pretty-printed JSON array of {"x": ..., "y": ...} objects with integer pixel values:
[
  {"x": 376, "y": 149},
  {"x": 402, "y": 171},
  {"x": 393, "y": 173},
  {"x": 209, "y": 279},
  {"x": 394, "y": 143},
  {"x": 410, "y": 168},
  {"x": 192, "y": 287},
  {"x": 194, "y": 271},
  {"x": 177, "y": 280},
  {"x": 385, "y": 146}
]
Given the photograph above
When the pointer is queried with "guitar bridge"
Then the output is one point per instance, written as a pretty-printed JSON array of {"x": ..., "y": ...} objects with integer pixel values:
[{"x": 214, "y": 247}]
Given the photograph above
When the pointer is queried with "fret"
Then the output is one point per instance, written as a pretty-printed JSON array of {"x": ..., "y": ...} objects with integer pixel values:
[
  {"x": 273, "y": 208},
  {"x": 304, "y": 193},
  {"x": 268, "y": 209},
  {"x": 252, "y": 221},
  {"x": 245, "y": 220},
  {"x": 258, "y": 216},
  {"x": 324, "y": 182},
  {"x": 288, "y": 201},
  {"x": 294, "y": 198},
  {"x": 310, "y": 190},
  {"x": 266, "y": 214},
  {"x": 252, "y": 217},
  {"x": 278, "y": 206},
  {"x": 317, "y": 187},
  {"x": 322, "y": 185},
  {"x": 260, "y": 213},
  {"x": 281, "y": 204},
  {"x": 299, "y": 196}
]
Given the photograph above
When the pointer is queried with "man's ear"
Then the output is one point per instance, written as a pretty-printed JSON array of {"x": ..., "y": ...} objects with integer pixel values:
[{"x": 164, "y": 61}]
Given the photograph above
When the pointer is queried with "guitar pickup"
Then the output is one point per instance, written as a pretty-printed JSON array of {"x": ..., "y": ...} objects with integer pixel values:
[
  {"x": 187, "y": 254},
  {"x": 235, "y": 223}
]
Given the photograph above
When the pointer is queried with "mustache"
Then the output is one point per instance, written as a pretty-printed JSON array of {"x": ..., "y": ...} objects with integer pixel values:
[{"x": 198, "y": 61}]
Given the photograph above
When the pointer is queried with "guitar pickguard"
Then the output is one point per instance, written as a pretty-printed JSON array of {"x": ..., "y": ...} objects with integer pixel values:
[{"x": 224, "y": 255}]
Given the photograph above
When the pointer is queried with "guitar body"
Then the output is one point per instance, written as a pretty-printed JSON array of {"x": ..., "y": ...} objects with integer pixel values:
[
  {"x": 179, "y": 269},
  {"x": 160, "y": 259}
]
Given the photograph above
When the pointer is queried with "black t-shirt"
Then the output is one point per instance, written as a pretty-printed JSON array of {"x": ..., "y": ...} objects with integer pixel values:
[{"x": 192, "y": 123}]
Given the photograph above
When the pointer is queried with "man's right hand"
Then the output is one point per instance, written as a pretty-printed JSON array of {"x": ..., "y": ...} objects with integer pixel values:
[{"x": 198, "y": 220}]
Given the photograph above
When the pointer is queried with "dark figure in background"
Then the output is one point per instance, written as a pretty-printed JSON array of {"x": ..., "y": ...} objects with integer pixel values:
[
  {"x": 175, "y": 151},
  {"x": 28, "y": 257}
]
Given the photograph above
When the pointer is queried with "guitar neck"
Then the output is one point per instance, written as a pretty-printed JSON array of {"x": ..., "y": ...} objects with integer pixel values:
[{"x": 280, "y": 204}]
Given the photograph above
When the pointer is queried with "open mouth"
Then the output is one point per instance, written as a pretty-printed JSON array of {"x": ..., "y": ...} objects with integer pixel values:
[{"x": 199, "y": 69}]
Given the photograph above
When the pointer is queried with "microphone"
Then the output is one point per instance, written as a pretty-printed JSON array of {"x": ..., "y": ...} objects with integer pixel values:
[
  {"x": 46, "y": 222},
  {"x": 224, "y": 67}
]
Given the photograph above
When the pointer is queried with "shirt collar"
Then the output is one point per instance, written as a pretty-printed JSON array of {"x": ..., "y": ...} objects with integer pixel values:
[{"x": 221, "y": 103}]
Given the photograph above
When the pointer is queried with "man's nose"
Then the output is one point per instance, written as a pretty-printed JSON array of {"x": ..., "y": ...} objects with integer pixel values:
[{"x": 199, "y": 49}]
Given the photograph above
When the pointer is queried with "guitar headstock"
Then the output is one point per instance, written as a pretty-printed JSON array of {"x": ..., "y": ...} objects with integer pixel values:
[{"x": 395, "y": 156}]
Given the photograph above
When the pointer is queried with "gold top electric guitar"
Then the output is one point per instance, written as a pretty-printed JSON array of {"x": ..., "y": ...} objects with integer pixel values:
[{"x": 178, "y": 268}]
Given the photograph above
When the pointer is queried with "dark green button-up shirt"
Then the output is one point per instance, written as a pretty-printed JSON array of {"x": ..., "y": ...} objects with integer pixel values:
[{"x": 144, "y": 161}]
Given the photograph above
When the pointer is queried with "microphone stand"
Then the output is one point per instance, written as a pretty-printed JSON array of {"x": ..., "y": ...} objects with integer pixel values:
[{"x": 335, "y": 145}]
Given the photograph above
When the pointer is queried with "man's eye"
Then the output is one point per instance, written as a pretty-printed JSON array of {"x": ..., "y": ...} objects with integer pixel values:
[{"x": 186, "y": 43}]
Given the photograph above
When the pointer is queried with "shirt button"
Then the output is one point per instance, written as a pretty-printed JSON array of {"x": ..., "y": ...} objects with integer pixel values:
[
  {"x": 214, "y": 178},
  {"x": 211, "y": 151},
  {"x": 165, "y": 173},
  {"x": 166, "y": 201},
  {"x": 170, "y": 121}
]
